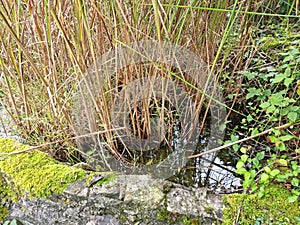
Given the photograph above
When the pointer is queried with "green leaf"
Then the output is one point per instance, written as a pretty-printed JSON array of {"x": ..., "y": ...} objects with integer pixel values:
[
  {"x": 284, "y": 111},
  {"x": 292, "y": 116},
  {"x": 13, "y": 222},
  {"x": 264, "y": 177},
  {"x": 247, "y": 183},
  {"x": 255, "y": 162},
  {"x": 278, "y": 78},
  {"x": 252, "y": 92},
  {"x": 264, "y": 105},
  {"x": 275, "y": 172},
  {"x": 250, "y": 75},
  {"x": 241, "y": 171},
  {"x": 235, "y": 147},
  {"x": 282, "y": 162},
  {"x": 286, "y": 137},
  {"x": 287, "y": 72},
  {"x": 249, "y": 118},
  {"x": 260, "y": 155},
  {"x": 240, "y": 164},
  {"x": 295, "y": 182},
  {"x": 294, "y": 165},
  {"x": 243, "y": 150},
  {"x": 273, "y": 139},
  {"x": 267, "y": 169},
  {"x": 234, "y": 138},
  {"x": 244, "y": 158},
  {"x": 276, "y": 99},
  {"x": 288, "y": 81},
  {"x": 281, "y": 146},
  {"x": 288, "y": 58},
  {"x": 271, "y": 109},
  {"x": 254, "y": 132},
  {"x": 270, "y": 68}
]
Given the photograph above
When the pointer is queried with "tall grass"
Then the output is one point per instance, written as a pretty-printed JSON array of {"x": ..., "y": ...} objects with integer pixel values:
[{"x": 48, "y": 46}]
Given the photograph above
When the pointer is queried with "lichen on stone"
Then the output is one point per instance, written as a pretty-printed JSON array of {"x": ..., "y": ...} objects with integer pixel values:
[
  {"x": 3, "y": 198},
  {"x": 272, "y": 208},
  {"x": 33, "y": 173}
]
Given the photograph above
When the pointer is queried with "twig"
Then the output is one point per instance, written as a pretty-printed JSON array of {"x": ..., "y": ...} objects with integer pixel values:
[{"x": 242, "y": 140}]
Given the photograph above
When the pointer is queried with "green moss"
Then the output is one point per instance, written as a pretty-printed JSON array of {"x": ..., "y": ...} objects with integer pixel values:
[
  {"x": 189, "y": 221},
  {"x": 3, "y": 213},
  {"x": 33, "y": 174},
  {"x": 3, "y": 198},
  {"x": 273, "y": 208},
  {"x": 209, "y": 209},
  {"x": 107, "y": 177},
  {"x": 175, "y": 218},
  {"x": 163, "y": 215}
]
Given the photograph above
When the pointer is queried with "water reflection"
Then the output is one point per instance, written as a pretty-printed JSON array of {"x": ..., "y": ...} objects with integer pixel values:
[{"x": 213, "y": 171}]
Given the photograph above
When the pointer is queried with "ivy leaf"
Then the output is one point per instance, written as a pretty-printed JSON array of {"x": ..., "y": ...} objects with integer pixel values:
[
  {"x": 275, "y": 172},
  {"x": 292, "y": 116},
  {"x": 249, "y": 118},
  {"x": 243, "y": 150},
  {"x": 264, "y": 105},
  {"x": 288, "y": 81},
  {"x": 254, "y": 132},
  {"x": 295, "y": 182},
  {"x": 264, "y": 177},
  {"x": 244, "y": 158},
  {"x": 278, "y": 78},
  {"x": 267, "y": 169},
  {"x": 250, "y": 75},
  {"x": 255, "y": 163},
  {"x": 260, "y": 155},
  {"x": 281, "y": 146},
  {"x": 271, "y": 109},
  {"x": 239, "y": 165},
  {"x": 253, "y": 92},
  {"x": 282, "y": 162},
  {"x": 286, "y": 137},
  {"x": 241, "y": 171}
]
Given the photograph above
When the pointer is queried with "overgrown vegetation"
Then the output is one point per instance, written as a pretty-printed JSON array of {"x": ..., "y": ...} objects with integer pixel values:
[
  {"x": 273, "y": 97},
  {"x": 273, "y": 208},
  {"x": 252, "y": 48}
]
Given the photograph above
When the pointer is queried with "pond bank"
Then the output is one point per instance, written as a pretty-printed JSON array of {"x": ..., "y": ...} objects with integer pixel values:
[
  {"x": 35, "y": 189},
  {"x": 50, "y": 192}
]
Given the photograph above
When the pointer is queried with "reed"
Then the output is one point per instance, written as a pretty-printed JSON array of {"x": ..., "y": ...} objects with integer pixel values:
[{"x": 47, "y": 47}]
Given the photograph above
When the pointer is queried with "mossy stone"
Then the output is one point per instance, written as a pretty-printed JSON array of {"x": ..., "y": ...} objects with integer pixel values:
[{"x": 31, "y": 174}]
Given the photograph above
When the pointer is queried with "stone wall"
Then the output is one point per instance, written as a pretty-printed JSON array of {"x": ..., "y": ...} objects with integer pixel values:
[
  {"x": 36, "y": 189},
  {"x": 126, "y": 199}
]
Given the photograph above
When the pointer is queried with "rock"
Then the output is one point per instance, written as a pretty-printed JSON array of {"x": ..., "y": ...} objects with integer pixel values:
[
  {"x": 128, "y": 199},
  {"x": 35, "y": 189}
]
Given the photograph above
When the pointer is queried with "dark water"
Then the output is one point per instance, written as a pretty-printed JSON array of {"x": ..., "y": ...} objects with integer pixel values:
[{"x": 215, "y": 171}]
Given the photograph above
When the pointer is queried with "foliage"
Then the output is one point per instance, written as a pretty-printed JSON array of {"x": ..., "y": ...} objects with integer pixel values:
[
  {"x": 272, "y": 208},
  {"x": 273, "y": 97}
]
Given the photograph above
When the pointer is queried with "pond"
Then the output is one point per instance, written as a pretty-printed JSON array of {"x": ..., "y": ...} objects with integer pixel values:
[{"x": 215, "y": 171}]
